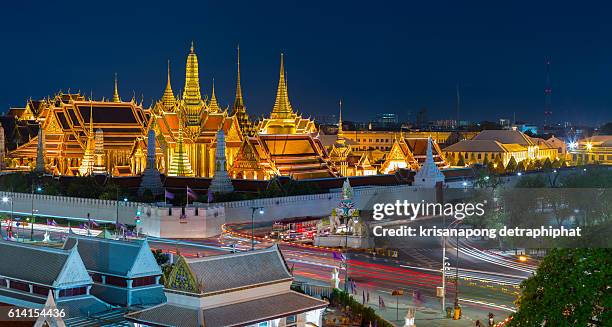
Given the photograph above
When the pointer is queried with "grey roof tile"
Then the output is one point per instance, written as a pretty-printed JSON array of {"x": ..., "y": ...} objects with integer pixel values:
[
  {"x": 230, "y": 271},
  {"x": 32, "y": 263}
]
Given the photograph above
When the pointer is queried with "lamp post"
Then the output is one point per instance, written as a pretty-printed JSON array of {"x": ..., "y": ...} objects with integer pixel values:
[
  {"x": 261, "y": 212},
  {"x": 10, "y": 226},
  {"x": 32, "y": 221}
]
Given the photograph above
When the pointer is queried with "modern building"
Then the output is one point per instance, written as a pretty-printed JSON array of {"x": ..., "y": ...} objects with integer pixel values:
[
  {"x": 242, "y": 289},
  {"x": 595, "y": 149},
  {"x": 29, "y": 273},
  {"x": 124, "y": 273}
]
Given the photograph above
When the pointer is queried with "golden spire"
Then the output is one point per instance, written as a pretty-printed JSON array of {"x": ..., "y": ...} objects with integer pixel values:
[
  {"x": 213, "y": 106},
  {"x": 90, "y": 119},
  {"x": 116, "y": 97},
  {"x": 238, "y": 102},
  {"x": 282, "y": 106},
  {"x": 191, "y": 93},
  {"x": 340, "y": 121},
  {"x": 168, "y": 99}
]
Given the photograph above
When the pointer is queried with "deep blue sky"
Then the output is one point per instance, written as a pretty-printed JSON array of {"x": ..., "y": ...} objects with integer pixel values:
[{"x": 377, "y": 56}]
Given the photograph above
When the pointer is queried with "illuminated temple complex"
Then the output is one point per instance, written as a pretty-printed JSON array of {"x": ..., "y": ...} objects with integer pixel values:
[{"x": 86, "y": 136}]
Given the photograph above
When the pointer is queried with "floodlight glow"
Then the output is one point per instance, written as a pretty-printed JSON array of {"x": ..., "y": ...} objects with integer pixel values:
[
  {"x": 519, "y": 174},
  {"x": 589, "y": 146},
  {"x": 261, "y": 211},
  {"x": 5, "y": 199}
]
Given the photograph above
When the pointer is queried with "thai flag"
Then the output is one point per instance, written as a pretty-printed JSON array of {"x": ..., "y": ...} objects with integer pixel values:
[
  {"x": 191, "y": 194},
  {"x": 168, "y": 195},
  {"x": 338, "y": 256}
]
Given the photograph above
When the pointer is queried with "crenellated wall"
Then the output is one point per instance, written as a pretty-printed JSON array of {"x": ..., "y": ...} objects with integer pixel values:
[
  {"x": 321, "y": 204},
  {"x": 69, "y": 207},
  {"x": 154, "y": 220}
]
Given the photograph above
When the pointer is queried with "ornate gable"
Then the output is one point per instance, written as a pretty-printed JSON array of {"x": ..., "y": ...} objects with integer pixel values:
[
  {"x": 53, "y": 126},
  {"x": 181, "y": 278}
]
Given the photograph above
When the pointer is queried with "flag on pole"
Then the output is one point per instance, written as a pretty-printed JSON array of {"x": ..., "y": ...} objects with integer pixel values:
[
  {"x": 168, "y": 195},
  {"x": 93, "y": 222},
  {"x": 191, "y": 194},
  {"x": 338, "y": 256}
]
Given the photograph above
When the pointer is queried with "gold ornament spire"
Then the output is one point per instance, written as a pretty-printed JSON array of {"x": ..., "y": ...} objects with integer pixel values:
[
  {"x": 213, "y": 106},
  {"x": 168, "y": 99},
  {"x": 116, "y": 97},
  {"x": 282, "y": 106},
  {"x": 239, "y": 101},
  {"x": 191, "y": 93},
  {"x": 180, "y": 166},
  {"x": 87, "y": 163},
  {"x": 340, "y": 132}
]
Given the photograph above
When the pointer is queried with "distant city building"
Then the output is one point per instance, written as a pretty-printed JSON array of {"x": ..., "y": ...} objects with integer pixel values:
[
  {"x": 386, "y": 119},
  {"x": 505, "y": 123},
  {"x": 524, "y": 128},
  {"x": 243, "y": 289}
]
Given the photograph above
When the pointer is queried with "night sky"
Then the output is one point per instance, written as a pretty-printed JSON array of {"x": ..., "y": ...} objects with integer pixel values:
[{"x": 376, "y": 56}]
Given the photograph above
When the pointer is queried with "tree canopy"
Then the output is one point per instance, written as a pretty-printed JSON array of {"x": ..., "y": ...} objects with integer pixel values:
[{"x": 570, "y": 288}]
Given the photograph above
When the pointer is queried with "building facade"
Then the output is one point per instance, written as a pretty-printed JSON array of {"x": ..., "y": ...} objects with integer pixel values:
[
  {"x": 595, "y": 149},
  {"x": 499, "y": 147},
  {"x": 123, "y": 273},
  {"x": 84, "y": 136},
  {"x": 243, "y": 289}
]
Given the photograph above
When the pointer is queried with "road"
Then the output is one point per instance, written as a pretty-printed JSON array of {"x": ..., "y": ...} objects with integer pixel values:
[{"x": 487, "y": 280}]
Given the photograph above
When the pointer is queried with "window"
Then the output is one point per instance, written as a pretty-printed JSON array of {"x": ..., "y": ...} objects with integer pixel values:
[
  {"x": 41, "y": 290},
  {"x": 73, "y": 291},
  {"x": 20, "y": 286},
  {"x": 96, "y": 277},
  {"x": 291, "y": 321},
  {"x": 117, "y": 281},
  {"x": 263, "y": 324},
  {"x": 143, "y": 281},
  {"x": 601, "y": 157},
  {"x": 480, "y": 156}
]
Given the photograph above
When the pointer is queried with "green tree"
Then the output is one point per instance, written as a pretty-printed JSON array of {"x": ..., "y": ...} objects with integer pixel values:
[
  {"x": 84, "y": 187},
  {"x": 512, "y": 165},
  {"x": 569, "y": 288},
  {"x": 520, "y": 166},
  {"x": 531, "y": 181}
]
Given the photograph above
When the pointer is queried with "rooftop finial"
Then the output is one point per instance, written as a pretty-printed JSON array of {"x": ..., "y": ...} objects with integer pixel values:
[
  {"x": 213, "y": 106},
  {"x": 192, "y": 47},
  {"x": 340, "y": 120},
  {"x": 238, "y": 101},
  {"x": 282, "y": 106},
  {"x": 116, "y": 97}
]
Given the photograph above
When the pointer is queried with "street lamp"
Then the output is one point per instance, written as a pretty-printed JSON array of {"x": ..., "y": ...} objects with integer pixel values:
[
  {"x": 261, "y": 212},
  {"x": 6, "y": 199},
  {"x": 32, "y": 221}
]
